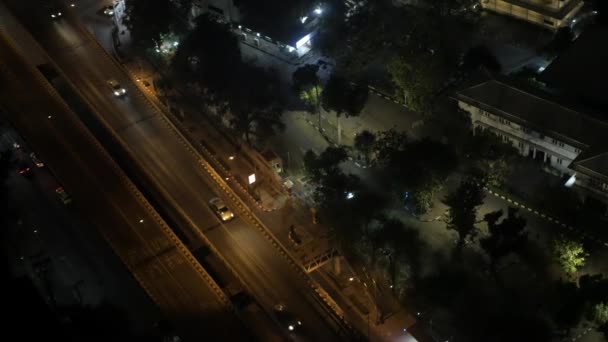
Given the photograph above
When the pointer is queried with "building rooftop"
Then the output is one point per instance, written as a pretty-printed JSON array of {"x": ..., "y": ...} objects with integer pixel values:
[
  {"x": 547, "y": 10},
  {"x": 542, "y": 112}
]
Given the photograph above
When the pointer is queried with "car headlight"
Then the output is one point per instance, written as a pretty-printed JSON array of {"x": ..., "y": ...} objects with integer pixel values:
[
  {"x": 124, "y": 91},
  {"x": 59, "y": 14},
  {"x": 52, "y": 16},
  {"x": 231, "y": 214},
  {"x": 291, "y": 327},
  {"x": 116, "y": 93}
]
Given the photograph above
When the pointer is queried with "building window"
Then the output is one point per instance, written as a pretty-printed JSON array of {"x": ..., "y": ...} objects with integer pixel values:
[
  {"x": 559, "y": 161},
  {"x": 520, "y": 145},
  {"x": 577, "y": 150},
  {"x": 557, "y": 142},
  {"x": 504, "y": 121},
  {"x": 527, "y": 130}
]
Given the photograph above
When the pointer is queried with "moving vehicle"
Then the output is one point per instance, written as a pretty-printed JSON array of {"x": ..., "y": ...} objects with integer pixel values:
[
  {"x": 108, "y": 10},
  {"x": 117, "y": 89},
  {"x": 288, "y": 319},
  {"x": 221, "y": 209},
  {"x": 55, "y": 12},
  {"x": 63, "y": 196},
  {"x": 25, "y": 170},
  {"x": 36, "y": 161}
]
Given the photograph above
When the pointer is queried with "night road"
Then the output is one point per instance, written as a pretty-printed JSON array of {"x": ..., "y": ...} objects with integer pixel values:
[
  {"x": 104, "y": 195},
  {"x": 179, "y": 176}
]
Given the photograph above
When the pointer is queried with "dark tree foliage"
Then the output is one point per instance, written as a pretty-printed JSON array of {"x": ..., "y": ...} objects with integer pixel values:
[
  {"x": 328, "y": 162},
  {"x": 462, "y": 214},
  {"x": 305, "y": 77},
  {"x": 254, "y": 103},
  {"x": 480, "y": 56},
  {"x": 571, "y": 306},
  {"x": 389, "y": 144},
  {"x": 343, "y": 97},
  {"x": 272, "y": 16},
  {"x": 209, "y": 55},
  {"x": 333, "y": 29},
  {"x": 149, "y": 20},
  {"x": 364, "y": 143},
  {"x": 506, "y": 236},
  {"x": 561, "y": 41},
  {"x": 601, "y": 6}
]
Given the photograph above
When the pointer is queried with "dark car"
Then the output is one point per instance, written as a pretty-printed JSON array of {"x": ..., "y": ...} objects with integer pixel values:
[
  {"x": 25, "y": 170},
  {"x": 286, "y": 318}
]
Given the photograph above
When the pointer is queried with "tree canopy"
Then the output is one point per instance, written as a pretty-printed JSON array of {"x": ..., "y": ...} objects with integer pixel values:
[
  {"x": 570, "y": 255},
  {"x": 462, "y": 214},
  {"x": 506, "y": 236},
  {"x": 343, "y": 97},
  {"x": 148, "y": 21}
]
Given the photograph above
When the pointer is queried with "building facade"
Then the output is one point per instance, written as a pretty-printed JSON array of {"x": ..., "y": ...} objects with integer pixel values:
[
  {"x": 564, "y": 141},
  {"x": 551, "y": 14}
]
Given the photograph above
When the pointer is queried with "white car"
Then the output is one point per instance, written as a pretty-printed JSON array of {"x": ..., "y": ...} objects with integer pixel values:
[
  {"x": 117, "y": 90},
  {"x": 221, "y": 209},
  {"x": 108, "y": 10}
]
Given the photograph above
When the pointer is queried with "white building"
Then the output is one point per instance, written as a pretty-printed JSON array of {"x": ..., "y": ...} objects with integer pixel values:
[
  {"x": 551, "y": 14},
  {"x": 566, "y": 141}
]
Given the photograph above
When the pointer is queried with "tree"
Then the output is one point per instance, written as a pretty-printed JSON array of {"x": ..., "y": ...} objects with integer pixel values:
[
  {"x": 364, "y": 143},
  {"x": 254, "y": 103},
  {"x": 344, "y": 98},
  {"x": 148, "y": 21},
  {"x": 571, "y": 306},
  {"x": 480, "y": 55},
  {"x": 561, "y": 41},
  {"x": 333, "y": 30},
  {"x": 328, "y": 162},
  {"x": 418, "y": 77},
  {"x": 462, "y": 214},
  {"x": 306, "y": 84},
  {"x": 422, "y": 195},
  {"x": 492, "y": 159},
  {"x": 388, "y": 144},
  {"x": 210, "y": 55},
  {"x": 505, "y": 237},
  {"x": 569, "y": 254},
  {"x": 600, "y": 313}
]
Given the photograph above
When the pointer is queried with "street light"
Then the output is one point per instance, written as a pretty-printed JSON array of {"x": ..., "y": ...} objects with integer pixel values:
[{"x": 318, "y": 11}]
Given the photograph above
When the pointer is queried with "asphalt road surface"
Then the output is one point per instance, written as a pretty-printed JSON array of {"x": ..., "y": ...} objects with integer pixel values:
[
  {"x": 177, "y": 173},
  {"x": 103, "y": 194}
]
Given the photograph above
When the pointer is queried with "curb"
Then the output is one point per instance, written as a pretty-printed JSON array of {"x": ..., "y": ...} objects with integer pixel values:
[{"x": 545, "y": 216}]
